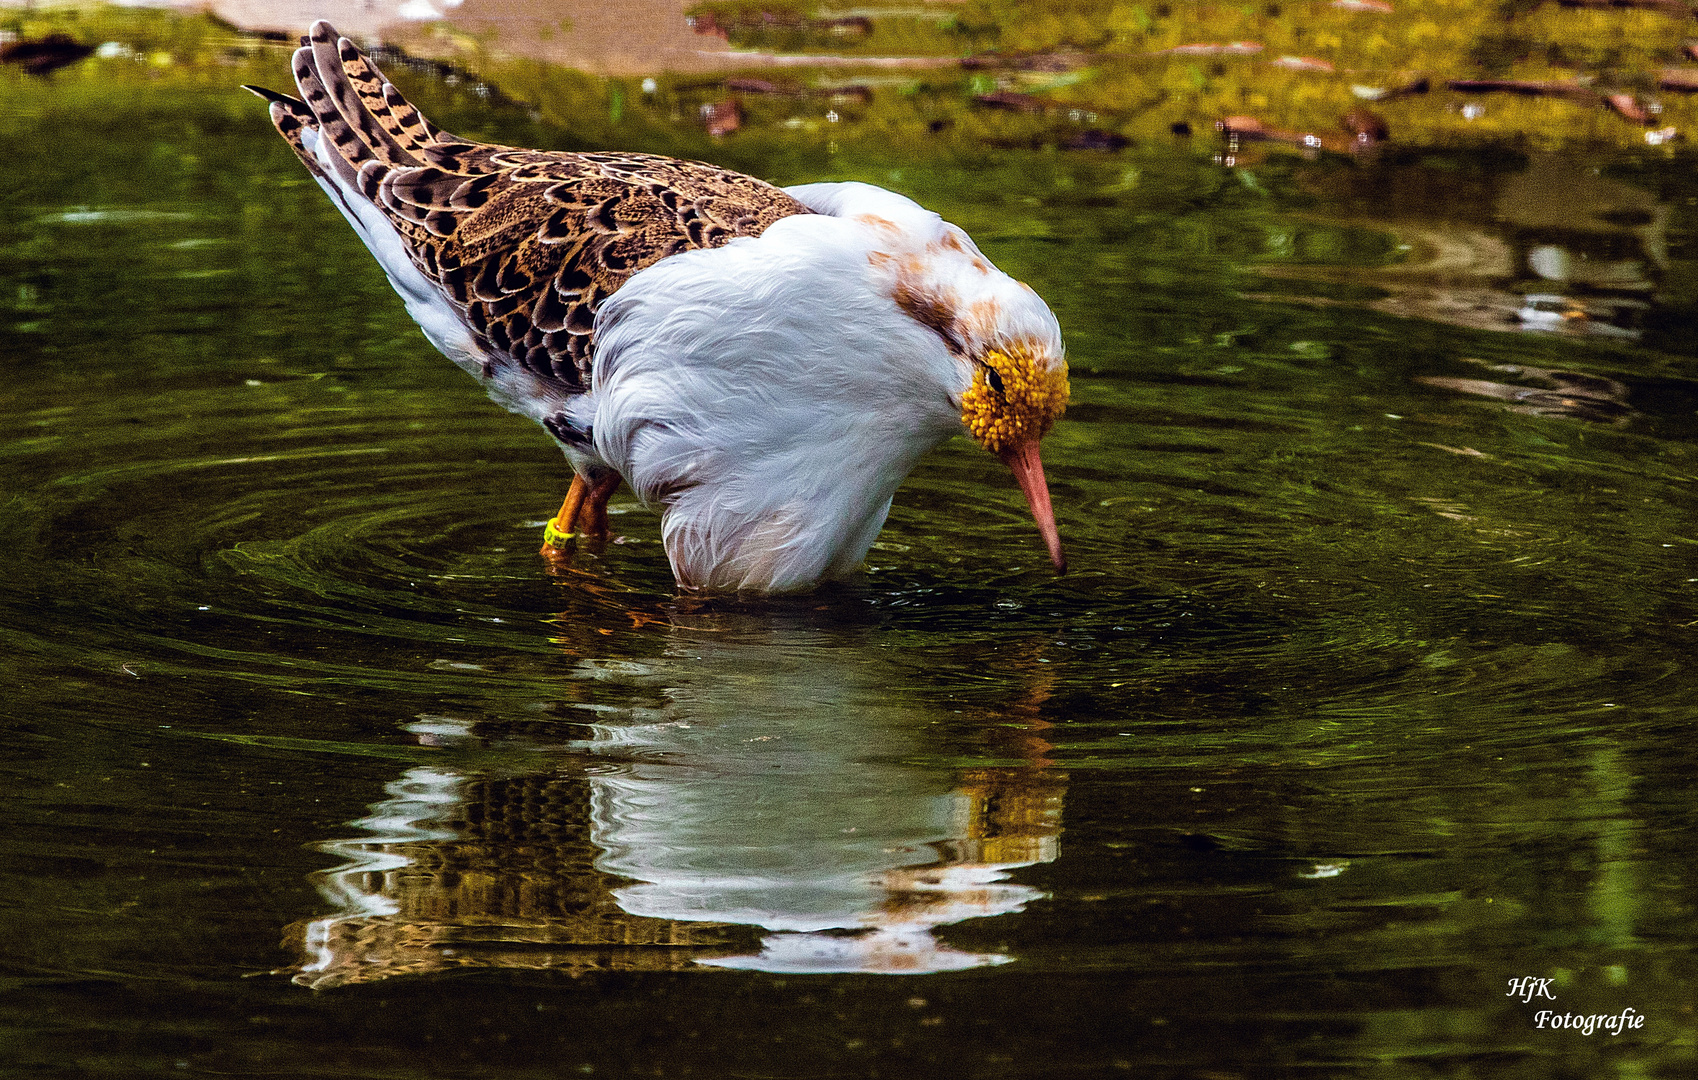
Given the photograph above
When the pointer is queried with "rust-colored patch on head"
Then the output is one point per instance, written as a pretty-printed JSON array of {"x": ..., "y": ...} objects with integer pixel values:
[
  {"x": 950, "y": 242},
  {"x": 982, "y": 266},
  {"x": 880, "y": 259},
  {"x": 932, "y": 310},
  {"x": 878, "y": 222},
  {"x": 981, "y": 318}
]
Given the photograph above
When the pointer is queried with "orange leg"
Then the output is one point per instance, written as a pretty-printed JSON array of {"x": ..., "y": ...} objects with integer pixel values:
[
  {"x": 592, "y": 515},
  {"x": 560, "y": 530},
  {"x": 582, "y": 515}
]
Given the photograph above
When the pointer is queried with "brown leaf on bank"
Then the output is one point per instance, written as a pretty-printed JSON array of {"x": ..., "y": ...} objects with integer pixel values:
[
  {"x": 1628, "y": 107},
  {"x": 1682, "y": 79},
  {"x": 1304, "y": 63},
  {"x": 1365, "y": 126},
  {"x": 1229, "y": 48}
]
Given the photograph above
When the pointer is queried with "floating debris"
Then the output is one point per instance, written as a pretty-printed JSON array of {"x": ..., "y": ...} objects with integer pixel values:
[
  {"x": 846, "y": 95},
  {"x": 762, "y": 86},
  {"x": 1552, "y": 311},
  {"x": 1240, "y": 129},
  {"x": 1562, "y": 393},
  {"x": 1548, "y": 309},
  {"x": 841, "y": 95},
  {"x": 851, "y": 26},
  {"x": 1420, "y": 85},
  {"x": 1378, "y": 7},
  {"x": 1680, "y": 9}
]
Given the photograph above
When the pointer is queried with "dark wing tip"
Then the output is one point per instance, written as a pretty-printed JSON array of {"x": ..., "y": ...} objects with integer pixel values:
[{"x": 270, "y": 95}]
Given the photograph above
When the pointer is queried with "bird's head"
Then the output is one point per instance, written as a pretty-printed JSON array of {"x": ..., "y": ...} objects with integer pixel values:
[
  {"x": 996, "y": 346},
  {"x": 1017, "y": 394}
]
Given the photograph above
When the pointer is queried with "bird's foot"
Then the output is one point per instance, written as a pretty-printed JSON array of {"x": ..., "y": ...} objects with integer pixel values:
[
  {"x": 557, "y": 544},
  {"x": 556, "y": 538},
  {"x": 582, "y": 518},
  {"x": 559, "y": 560},
  {"x": 592, "y": 512},
  {"x": 558, "y": 534}
]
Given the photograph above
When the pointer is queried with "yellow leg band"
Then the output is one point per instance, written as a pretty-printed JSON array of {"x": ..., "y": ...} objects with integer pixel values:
[{"x": 555, "y": 536}]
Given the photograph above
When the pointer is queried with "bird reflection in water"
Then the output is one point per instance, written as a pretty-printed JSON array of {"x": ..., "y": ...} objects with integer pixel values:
[{"x": 751, "y": 798}]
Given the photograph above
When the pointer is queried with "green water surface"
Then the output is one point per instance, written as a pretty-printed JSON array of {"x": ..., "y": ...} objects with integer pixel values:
[{"x": 1371, "y": 687}]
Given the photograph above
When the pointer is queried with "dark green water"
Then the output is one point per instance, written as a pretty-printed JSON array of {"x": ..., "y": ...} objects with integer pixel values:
[{"x": 1369, "y": 691}]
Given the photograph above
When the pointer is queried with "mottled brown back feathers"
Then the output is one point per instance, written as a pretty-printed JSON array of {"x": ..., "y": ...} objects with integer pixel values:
[{"x": 526, "y": 244}]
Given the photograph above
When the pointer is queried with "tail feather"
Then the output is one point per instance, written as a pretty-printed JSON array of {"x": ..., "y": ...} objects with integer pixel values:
[
  {"x": 413, "y": 130},
  {"x": 370, "y": 110},
  {"x": 352, "y": 125},
  {"x": 344, "y": 153},
  {"x": 351, "y": 117},
  {"x": 341, "y": 102},
  {"x": 291, "y": 118},
  {"x": 360, "y": 137},
  {"x": 291, "y": 123},
  {"x": 269, "y": 95}
]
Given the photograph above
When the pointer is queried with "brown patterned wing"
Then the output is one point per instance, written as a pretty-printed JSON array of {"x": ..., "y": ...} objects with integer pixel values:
[
  {"x": 526, "y": 244},
  {"x": 529, "y": 243}
]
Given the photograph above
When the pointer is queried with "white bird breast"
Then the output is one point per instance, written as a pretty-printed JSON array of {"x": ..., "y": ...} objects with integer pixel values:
[{"x": 772, "y": 395}]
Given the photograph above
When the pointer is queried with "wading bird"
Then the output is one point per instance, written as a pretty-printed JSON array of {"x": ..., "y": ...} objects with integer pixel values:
[{"x": 766, "y": 365}]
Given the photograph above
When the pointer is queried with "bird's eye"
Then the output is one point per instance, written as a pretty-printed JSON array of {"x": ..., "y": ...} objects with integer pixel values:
[{"x": 994, "y": 378}]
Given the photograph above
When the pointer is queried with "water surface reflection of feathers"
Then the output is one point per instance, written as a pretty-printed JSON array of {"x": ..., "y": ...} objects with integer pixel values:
[{"x": 766, "y": 365}]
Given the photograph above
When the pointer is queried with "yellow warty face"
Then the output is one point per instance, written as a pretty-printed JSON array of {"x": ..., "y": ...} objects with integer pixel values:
[{"x": 1026, "y": 405}]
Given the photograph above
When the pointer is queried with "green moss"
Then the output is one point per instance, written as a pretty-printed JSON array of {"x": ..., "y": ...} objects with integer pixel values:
[{"x": 1119, "y": 75}]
